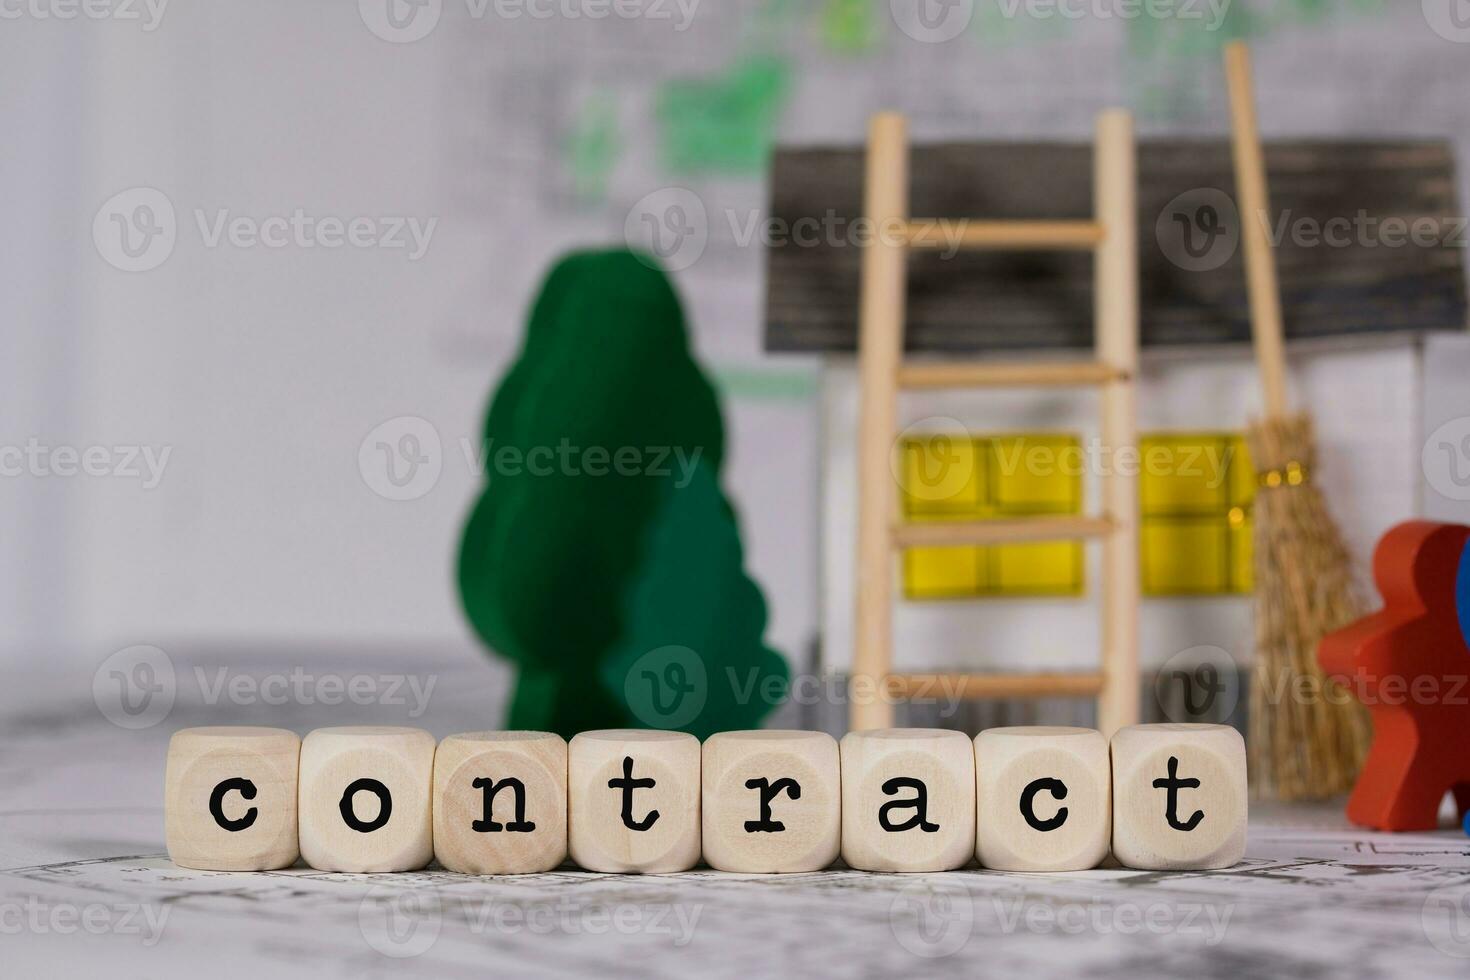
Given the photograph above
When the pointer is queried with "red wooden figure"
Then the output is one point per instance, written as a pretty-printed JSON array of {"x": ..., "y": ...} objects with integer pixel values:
[{"x": 1410, "y": 665}]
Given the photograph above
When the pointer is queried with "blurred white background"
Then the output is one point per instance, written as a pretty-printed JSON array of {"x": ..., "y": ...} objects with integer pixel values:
[{"x": 261, "y": 370}]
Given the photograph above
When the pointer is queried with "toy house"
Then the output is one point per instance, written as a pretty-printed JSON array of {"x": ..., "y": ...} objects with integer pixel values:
[{"x": 1373, "y": 285}]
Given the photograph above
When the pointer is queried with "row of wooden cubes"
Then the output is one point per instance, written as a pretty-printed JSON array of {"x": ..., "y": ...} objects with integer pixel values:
[{"x": 1161, "y": 797}]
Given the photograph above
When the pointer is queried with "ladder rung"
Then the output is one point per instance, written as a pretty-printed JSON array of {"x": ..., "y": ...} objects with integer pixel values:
[
  {"x": 979, "y": 374},
  {"x": 975, "y": 687},
  {"x": 943, "y": 533},
  {"x": 966, "y": 233}
]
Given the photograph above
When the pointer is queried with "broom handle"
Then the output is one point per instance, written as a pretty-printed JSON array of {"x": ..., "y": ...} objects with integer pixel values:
[{"x": 1260, "y": 261}]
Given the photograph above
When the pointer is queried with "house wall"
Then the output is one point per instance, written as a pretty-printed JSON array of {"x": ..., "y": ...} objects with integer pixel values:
[
  {"x": 1446, "y": 425},
  {"x": 1369, "y": 403}
]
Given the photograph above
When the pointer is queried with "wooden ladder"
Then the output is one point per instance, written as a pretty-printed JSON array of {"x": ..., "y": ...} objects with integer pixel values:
[{"x": 1112, "y": 235}]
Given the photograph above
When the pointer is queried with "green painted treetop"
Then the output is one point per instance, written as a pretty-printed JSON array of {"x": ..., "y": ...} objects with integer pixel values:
[
  {"x": 691, "y": 656},
  {"x": 601, "y": 422}
]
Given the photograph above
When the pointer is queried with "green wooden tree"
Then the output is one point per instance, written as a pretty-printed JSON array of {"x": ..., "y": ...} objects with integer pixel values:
[
  {"x": 692, "y": 657},
  {"x": 604, "y": 405}
]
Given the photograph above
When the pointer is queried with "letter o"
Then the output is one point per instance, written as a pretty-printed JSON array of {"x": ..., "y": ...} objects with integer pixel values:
[{"x": 385, "y": 809}]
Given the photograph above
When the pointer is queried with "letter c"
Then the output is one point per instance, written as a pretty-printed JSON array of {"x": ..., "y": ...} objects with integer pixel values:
[
  {"x": 1058, "y": 791},
  {"x": 216, "y": 804}
]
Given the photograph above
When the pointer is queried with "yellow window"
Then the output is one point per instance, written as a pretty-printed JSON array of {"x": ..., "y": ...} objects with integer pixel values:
[
  {"x": 1196, "y": 493},
  {"x": 942, "y": 573},
  {"x": 949, "y": 478},
  {"x": 1042, "y": 568},
  {"x": 943, "y": 475}
]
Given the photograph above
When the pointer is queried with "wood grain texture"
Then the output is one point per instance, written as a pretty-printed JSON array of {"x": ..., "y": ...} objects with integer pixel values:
[
  {"x": 1014, "y": 374},
  {"x": 998, "y": 531},
  {"x": 352, "y": 772},
  {"x": 1006, "y": 235},
  {"x": 1071, "y": 807},
  {"x": 525, "y": 828},
  {"x": 772, "y": 801},
  {"x": 230, "y": 798},
  {"x": 978, "y": 301},
  {"x": 1115, "y": 193},
  {"x": 996, "y": 686},
  {"x": 880, "y": 292},
  {"x": 1147, "y": 834},
  {"x": 886, "y": 773},
  {"x": 633, "y": 801},
  {"x": 1253, "y": 195}
]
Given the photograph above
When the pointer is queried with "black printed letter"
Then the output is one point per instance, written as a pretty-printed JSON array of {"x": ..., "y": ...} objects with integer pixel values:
[
  {"x": 1028, "y": 795},
  {"x": 487, "y": 824},
  {"x": 217, "y": 800},
  {"x": 919, "y": 804},
  {"x": 1174, "y": 784},
  {"x": 769, "y": 791},
  {"x": 628, "y": 784},
  {"x": 385, "y": 805}
]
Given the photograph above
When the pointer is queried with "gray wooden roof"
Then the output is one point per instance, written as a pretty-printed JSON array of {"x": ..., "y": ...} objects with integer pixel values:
[{"x": 1006, "y": 300}]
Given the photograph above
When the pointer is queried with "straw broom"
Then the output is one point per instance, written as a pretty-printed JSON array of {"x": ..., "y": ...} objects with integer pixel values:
[{"x": 1307, "y": 738}]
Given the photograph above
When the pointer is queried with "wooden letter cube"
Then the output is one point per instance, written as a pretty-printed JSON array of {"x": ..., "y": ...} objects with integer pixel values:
[
  {"x": 772, "y": 801},
  {"x": 500, "y": 802},
  {"x": 230, "y": 798},
  {"x": 1043, "y": 799},
  {"x": 633, "y": 801},
  {"x": 1179, "y": 797},
  {"x": 366, "y": 795},
  {"x": 908, "y": 800}
]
